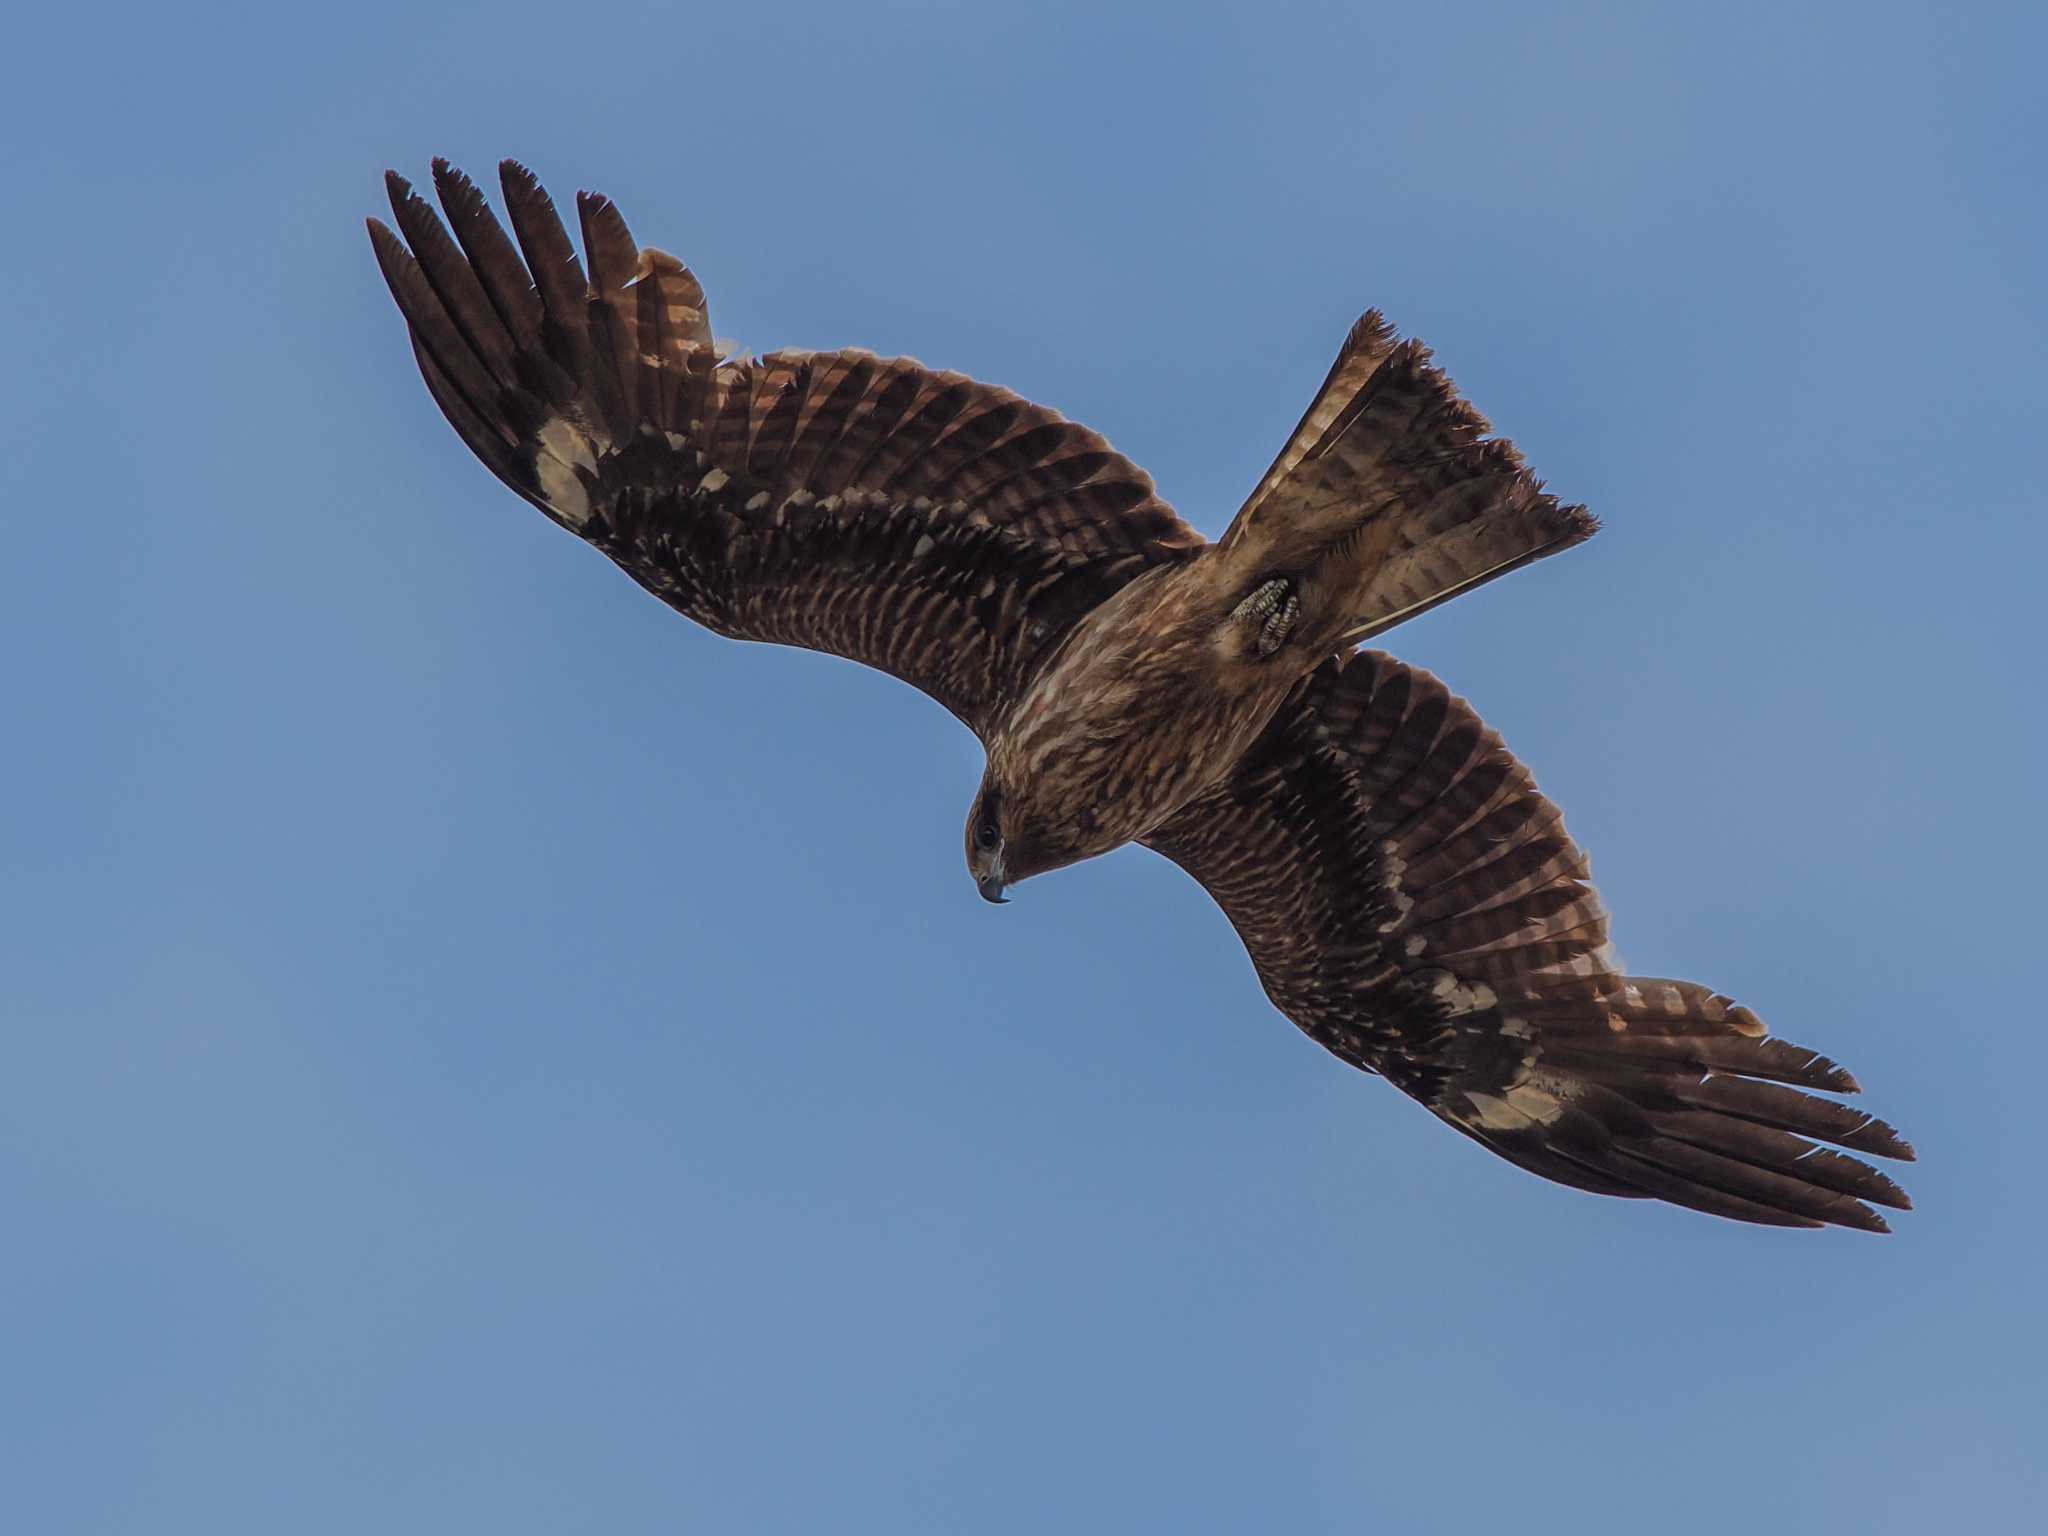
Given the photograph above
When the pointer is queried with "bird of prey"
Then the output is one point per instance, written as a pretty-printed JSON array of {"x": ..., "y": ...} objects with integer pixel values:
[{"x": 1407, "y": 896}]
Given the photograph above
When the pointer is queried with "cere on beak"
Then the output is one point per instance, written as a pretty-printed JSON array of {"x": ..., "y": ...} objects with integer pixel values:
[{"x": 991, "y": 888}]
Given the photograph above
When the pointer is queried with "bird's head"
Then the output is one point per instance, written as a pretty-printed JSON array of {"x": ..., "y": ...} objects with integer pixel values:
[
  {"x": 1016, "y": 832},
  {"x": 1006, "y": 843},
  {"x": 1012, "y": 835},
  {"x": 987, "y": 845}
]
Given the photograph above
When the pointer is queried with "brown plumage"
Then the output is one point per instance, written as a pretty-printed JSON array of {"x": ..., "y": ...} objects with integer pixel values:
[{"x": 1407, "y": 896}]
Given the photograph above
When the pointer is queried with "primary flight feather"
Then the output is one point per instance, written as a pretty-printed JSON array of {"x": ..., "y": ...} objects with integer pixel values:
[{"x": 1407, "y": 896}]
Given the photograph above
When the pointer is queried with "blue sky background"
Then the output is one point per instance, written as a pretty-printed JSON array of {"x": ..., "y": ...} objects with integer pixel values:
[{"x": 482, "y": 1054}]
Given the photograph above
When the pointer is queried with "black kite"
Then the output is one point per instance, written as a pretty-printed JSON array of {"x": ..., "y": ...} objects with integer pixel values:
[{"x": 1407, "y": 896}]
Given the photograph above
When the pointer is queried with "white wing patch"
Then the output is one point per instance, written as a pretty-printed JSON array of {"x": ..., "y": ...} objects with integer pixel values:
[
  {"x": 565, "y": 448},
  {"x": 1456, "y": 994},
  {"x": 1536, "y": 1098}
]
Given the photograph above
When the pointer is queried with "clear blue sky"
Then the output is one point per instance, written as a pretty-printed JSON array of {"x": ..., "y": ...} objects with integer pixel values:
[{"x": 482, "y": 1054}]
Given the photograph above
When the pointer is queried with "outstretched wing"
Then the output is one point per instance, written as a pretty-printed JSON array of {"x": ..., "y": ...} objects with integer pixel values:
[
  {"x": 1415, "y": 905},
  {"x": 945, "y": 531}
]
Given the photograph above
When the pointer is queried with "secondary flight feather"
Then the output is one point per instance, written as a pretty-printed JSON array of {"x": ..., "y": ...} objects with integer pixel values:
[{"x": 1407, "y": 896}]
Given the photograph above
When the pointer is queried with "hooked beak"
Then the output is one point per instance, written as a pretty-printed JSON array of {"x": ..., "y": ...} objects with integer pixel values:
[{"x": 989, "y": 880}]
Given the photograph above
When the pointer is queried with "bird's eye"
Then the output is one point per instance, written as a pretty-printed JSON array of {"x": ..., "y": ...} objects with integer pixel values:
[{"x": 985, "y": 835}]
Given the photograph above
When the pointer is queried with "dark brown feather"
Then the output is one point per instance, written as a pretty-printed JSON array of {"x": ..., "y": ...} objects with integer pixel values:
[
  {"x": 1414, "y": 904},
  {"x": 613, "y": 324},
  {"x": 491, "y": 254},
  {"x": 556, "y": 273},
  {"x": 453, "y": 280},
  {"x": 1406, "y": 894},
  {"x": 1389, "y": 499},
  {"x": 946, "y": 531}
]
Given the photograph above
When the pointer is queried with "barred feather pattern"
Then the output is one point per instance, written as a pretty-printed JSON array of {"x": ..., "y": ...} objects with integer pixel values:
[
  {"x": 1406, "y": 894},
  {"x": 1415, "y": 905},
  {"x": 1389, "y": 498},
  {"x": 946, "y": 531}
]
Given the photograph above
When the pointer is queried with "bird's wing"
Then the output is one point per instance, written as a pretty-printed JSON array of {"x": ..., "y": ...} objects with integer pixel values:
[
  {"x": 945, "y": 531},
  {"x": 1389, "y": 498},
  {"x": 1413, "y": 902}
]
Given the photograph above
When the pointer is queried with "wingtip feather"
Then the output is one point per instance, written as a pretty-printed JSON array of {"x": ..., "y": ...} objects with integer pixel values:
[{"x": 392, "y": 257}]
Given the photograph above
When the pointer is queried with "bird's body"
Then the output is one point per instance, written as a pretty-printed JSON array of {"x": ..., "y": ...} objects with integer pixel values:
[
  {"x": 1407, "y": 896},
  {"x": 1149, "y": 702}
]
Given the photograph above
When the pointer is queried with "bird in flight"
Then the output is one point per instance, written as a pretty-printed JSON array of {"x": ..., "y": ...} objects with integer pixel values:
[{"x": 1407, "y": 896}]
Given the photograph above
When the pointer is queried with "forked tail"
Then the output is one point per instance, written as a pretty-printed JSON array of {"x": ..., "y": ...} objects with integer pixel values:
[{"x": 1389, "y": 498}]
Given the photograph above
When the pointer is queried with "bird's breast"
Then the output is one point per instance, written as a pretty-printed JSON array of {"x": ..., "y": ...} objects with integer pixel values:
[{"x": 1147, "y": 704}]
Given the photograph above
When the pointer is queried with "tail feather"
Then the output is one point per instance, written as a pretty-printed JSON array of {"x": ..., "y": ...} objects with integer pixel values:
[
  {"x": 1388, "y": 498},
  {"x": 1364, "y": 349}
]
